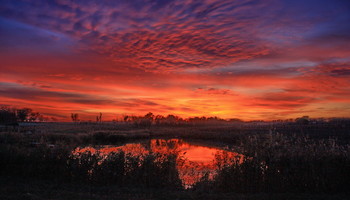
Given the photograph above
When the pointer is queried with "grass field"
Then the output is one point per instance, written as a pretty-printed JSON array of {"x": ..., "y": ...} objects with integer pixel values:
[{"x": 282, "y": 162}]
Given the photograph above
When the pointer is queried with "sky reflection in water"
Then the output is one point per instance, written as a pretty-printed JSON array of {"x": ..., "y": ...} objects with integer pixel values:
[{"x": 193, "y": 160}]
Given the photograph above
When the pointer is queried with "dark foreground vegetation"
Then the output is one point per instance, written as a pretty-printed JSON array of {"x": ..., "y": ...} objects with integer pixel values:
[{"x": 283, "y": 161}]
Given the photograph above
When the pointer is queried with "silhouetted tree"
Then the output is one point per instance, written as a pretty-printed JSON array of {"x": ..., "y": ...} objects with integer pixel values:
[
  {"x": 99, "y": 118},
  {"x": 23, "y": 114},
  {"x": 159, "y": 119},
  {"x": 126, "y": 118},
  {"x": 13, "y": 115},
  {"x": 303, "y": 120},
  {"x": 7, "y": 115},
  {"x": 149, "y": 116},
  {"x": 34, "y": 116},
  {"x": 75, "y": 117},
  {"x": 171, "y": 119}
]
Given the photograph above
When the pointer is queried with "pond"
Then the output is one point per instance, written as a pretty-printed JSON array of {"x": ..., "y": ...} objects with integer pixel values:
[{"x": 193, "y": 160}]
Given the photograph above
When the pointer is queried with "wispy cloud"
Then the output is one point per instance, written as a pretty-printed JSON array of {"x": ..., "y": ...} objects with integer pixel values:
[{"x": 249, "y": 59}]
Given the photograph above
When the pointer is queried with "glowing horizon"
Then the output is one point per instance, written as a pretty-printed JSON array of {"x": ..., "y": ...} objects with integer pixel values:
[{"x": 245, "y": 59}]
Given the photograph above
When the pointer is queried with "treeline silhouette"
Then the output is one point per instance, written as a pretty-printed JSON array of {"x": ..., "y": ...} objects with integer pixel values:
[
  {"x": 11, "y": 115},
  {"x": 169, "y": 120}
]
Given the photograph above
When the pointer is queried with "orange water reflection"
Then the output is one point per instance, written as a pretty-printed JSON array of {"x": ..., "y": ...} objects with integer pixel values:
[{"x": 193, "y": 161}]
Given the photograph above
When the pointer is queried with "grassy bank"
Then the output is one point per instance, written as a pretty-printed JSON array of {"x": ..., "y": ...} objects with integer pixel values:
[{"x": 277, "y": 165}]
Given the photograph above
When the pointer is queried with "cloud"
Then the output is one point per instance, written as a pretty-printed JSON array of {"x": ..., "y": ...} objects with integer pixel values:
[
  {"x": 20, "y": 37},
  {"x": 181, "y": 35},
  {"x": 250, "y": 59},
  {"x": 12, "y": 90}
]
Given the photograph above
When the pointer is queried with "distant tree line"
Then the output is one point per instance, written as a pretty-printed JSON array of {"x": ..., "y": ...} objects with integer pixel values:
[
  {"x": 169, "y": 120},
  {"x": 10, "y": 115}
]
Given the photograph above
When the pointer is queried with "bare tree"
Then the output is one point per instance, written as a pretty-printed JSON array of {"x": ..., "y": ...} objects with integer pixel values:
[
  {"x": 99, "y": 118},
  {"x": 75, "y": 117}
]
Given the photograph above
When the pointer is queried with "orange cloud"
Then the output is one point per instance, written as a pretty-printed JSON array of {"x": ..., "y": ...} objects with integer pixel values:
[{"x": 241, "y": 59}]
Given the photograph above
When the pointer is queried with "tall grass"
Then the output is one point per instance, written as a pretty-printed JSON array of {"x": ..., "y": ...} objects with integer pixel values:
[
  {"x": 273, "y": 163},
  {"x": 285, "y": 164},
  {"x": 116, "y": 168}
]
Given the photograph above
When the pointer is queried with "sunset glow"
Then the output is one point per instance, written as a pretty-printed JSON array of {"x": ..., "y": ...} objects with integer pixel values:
[
  {"x": 265, "y": 59},
  {"x": 193, "y": 161}
]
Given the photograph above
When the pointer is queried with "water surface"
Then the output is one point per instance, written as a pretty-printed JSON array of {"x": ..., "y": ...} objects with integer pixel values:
[{"x": 193, "y": 160}]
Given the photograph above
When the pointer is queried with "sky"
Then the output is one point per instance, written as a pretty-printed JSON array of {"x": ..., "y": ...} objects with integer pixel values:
[{"x": 247, "y": 59}]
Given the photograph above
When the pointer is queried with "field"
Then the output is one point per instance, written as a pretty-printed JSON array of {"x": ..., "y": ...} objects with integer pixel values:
[{"x": 282, "y": 161}]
